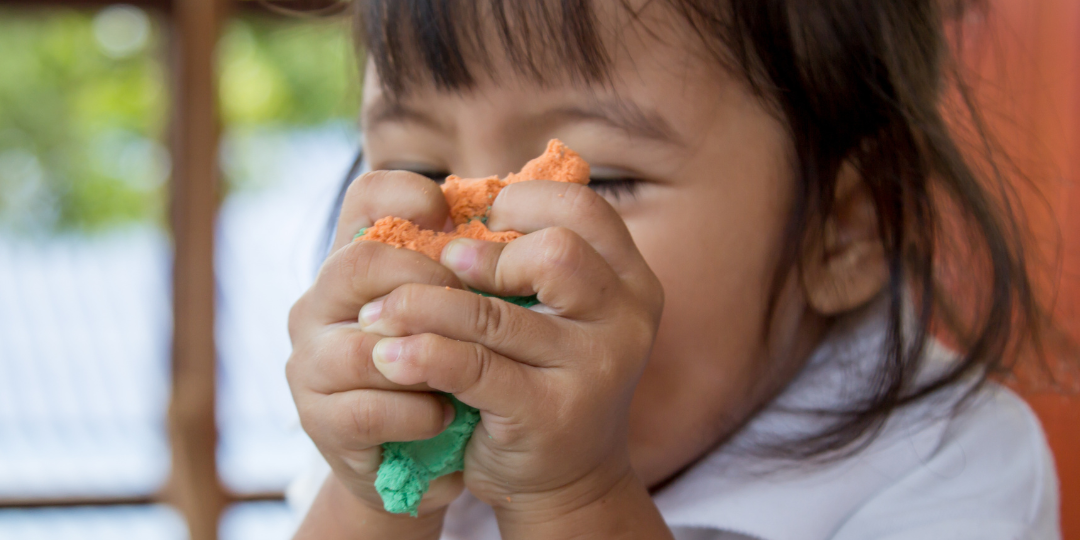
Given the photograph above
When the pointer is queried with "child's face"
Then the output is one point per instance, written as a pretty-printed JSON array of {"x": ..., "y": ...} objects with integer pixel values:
[{"x": 708, "y": 216}]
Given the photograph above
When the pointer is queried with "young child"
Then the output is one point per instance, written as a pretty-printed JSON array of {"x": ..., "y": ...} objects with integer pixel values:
[{"x": 735, "y": 335}]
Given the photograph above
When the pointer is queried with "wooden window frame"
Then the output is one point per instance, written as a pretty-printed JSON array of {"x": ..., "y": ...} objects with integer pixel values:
[{"x": 193, "y": 487}]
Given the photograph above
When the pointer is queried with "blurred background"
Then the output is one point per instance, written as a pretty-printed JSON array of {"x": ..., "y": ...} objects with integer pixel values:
[
  {"x": 192, "y": 150},
  {"x": 87, "y": 107}
]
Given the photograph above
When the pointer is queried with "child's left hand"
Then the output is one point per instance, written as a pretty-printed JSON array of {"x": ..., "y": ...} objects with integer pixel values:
[{"x": 553, "y": 383}]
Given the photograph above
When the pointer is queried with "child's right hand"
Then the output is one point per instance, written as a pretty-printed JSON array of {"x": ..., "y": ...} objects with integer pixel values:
[{"x": 347, "y": 407}]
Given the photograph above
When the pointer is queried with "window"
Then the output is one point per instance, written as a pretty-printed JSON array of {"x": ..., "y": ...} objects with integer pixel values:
[{"x": 107, "y": 115}]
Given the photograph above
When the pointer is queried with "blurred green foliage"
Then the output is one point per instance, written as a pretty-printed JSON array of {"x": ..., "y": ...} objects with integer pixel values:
[
  {"x": 293, "y": 72},
  {"x": 66, "y": 110},
  {"x": 84, "y": 106},
  {"x": 278, "y": 75}
]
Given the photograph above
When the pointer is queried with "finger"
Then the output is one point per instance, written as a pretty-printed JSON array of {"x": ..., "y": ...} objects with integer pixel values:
[
  {"x": 560, "y": 267},
  {"x": 361, "y": 419},
  {"x": 354, "y": 275},
  {"x": 522, "y": 334},
  {"x": 476, "y": 375},
  {"x": 531, "y": 206},
  {"x": 379, "y": 194},
  {"x": 338, "y": 360}
]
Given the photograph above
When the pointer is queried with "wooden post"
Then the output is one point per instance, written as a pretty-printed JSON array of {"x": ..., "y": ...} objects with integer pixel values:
[
  {"x": 1037, "y": 82},
  {"x": 193, "y": 487},
  {"x": 1053, "y": 109}
]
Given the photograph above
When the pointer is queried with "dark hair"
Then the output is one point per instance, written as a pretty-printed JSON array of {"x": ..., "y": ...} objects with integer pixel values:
[{"x": 858, "y": 82}]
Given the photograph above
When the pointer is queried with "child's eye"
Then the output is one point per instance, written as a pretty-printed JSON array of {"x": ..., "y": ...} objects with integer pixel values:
[
  {"x": 614, "y": 184},
  {"x": 438, "y": 176},
  {"x": 431, "y": 172}
]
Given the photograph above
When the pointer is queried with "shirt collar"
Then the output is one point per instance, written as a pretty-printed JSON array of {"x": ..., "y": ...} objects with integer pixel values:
[{"x": 735, "y": 490}]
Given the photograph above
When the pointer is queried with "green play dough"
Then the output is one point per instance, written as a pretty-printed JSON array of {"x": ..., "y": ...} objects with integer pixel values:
[
  {"x": 408, "y": 468},
  {"x": 523, "y": 301}
]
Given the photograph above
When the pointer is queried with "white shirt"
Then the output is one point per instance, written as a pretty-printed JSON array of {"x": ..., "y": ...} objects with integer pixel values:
[{"x": 984, "y": 473}]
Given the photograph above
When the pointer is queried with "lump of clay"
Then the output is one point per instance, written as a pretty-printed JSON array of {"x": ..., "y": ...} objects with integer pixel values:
[
  {"x": 470, "y": 201},
  {"x": 408, "y": 468}
]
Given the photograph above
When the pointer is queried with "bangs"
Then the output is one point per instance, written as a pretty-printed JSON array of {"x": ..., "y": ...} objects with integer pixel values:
[{"x": 450, "y": 43}]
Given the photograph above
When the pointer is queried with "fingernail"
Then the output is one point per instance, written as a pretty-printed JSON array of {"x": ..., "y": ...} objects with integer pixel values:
[
  {"x": 371, "y": 312},
  {"x": 448, "y": 414},
  {"x": 387, "y": 350},
  {"x": 460, "y": 254}
]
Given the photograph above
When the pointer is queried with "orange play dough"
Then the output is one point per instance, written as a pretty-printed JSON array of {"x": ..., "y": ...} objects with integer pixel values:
[{"x": 470, "y": 200}]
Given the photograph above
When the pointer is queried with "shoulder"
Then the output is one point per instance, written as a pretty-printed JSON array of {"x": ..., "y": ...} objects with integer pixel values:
[
  {"x": 991, "y": 475},
  {"x": 985, "y": 472}
]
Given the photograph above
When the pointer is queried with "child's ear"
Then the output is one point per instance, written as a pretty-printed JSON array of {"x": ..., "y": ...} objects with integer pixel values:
[{"x": 844, "y": 265}]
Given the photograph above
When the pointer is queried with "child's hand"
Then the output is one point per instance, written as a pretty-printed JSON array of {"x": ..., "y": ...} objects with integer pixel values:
[
  {"x": 553, "y": 387},
  {"x": 347, "y": 407}
]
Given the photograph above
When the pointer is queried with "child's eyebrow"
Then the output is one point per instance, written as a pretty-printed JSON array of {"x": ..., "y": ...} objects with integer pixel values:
[
  {"x": 623, "y": 115},
  {"x": 620, "y": 114},
  {"x": 384, "y": 110}
]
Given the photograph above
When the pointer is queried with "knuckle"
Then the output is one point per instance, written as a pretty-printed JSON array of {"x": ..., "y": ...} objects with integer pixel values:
[
  {"x": 356, "y": 353},
  {"x": 311, "y": 422},
  {"x": 582, "y": 200},
  {"x": 343, "y": 264},
  {"x": 656, "y": 298},
  {"x": 299, "y": 365},
  {"x": 367, "y": 420},
  {"x": 358, "y": 262},
  {"x": 437, "y": 274},
  {"x": 292, "y": 371},
  {"x": 476, "y": 371},
  {"x": 418, "y": 348},
  {"x": 297, "y": 314},
  {"x": 560, "y": 250},
  {"x": 638, "y": 334},
  {"x": 489, "y": 318},
  {"x": 318, "y": 426},
  {"x": 357, "y": 267},
  {"x": 401, "y": 303}
]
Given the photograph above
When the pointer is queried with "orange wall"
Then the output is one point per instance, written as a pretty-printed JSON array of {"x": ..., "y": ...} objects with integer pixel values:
[{"x": 1029, "y": 58}]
